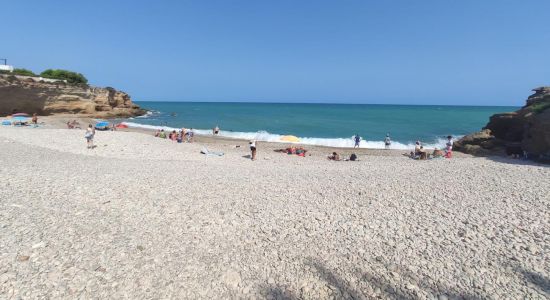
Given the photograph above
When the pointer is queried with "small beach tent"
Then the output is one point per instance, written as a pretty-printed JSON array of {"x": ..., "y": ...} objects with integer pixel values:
[
  {"x": 103, "y": 125},
  {"x": 290, "y": 138},
  {"x": 6, "y": 122},
  {"x": 121, "y": 125},
  {"x": 20, "y": 115}
]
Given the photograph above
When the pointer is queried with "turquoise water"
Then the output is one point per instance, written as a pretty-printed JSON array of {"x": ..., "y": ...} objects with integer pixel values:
[{"x": 324, "y": 124}]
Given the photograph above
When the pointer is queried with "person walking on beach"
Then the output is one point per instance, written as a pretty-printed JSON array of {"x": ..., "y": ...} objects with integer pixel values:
[
  {"x": 216, "y": 130},
  {"x": 89, "y": 135},
  {"x": 387, "y": 141},
  {"x": 357, "y": 140},
  {"x": 252, "y": 144}
]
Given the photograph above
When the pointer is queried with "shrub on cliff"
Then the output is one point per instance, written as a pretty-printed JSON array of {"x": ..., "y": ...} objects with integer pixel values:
[
  {"x": 21, "y": 72},
  {"x": 540, "y": 107},
  {"x": 71, "y": 77}
]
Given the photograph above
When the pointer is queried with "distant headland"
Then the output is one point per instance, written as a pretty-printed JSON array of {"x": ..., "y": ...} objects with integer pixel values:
[{"x": 59, "y": 92}]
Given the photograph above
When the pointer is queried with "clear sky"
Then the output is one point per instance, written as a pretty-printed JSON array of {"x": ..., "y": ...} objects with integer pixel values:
[{"x": 352, "y": 51}]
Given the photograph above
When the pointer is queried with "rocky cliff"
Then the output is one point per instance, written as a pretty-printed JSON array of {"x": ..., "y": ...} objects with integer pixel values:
[
  {"x": 18, "y": 94},
  {"x": 527, "y": 129}
]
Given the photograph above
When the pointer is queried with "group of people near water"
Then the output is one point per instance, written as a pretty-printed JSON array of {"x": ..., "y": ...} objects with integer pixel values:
[
  {"x": 421, "y": 153},
  {"x": 357, "y": 141},
  {"x": 181, "y": 136}
]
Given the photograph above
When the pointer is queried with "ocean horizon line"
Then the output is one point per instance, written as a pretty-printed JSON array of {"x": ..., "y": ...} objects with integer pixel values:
[{"x": 327, "y": 103}]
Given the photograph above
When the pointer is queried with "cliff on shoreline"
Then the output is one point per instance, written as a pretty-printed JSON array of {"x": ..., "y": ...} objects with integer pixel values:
[
  {"x": 526, "y": 130},
  {"x": 30, "y": 95}
]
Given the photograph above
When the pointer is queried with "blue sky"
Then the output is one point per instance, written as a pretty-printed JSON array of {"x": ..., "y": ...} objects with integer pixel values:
[{"x": 401, "y": 51}]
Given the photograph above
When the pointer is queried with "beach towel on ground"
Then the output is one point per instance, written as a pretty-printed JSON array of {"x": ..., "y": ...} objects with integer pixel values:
[{"x": 208, "y": 152}]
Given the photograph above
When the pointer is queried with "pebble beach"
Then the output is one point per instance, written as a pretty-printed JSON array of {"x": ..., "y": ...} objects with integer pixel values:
[{"x": 139, "y": 217}]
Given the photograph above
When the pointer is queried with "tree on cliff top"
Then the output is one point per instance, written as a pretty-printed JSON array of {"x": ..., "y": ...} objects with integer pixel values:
[{"x": 71, "y": 77}]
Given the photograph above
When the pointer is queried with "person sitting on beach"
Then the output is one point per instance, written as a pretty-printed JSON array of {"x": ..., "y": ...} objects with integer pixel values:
[
  {"x": 300, "y": 152},
  {"x": 157, "y": 133},
  {"x": 179, "y": 138},
  {"x": 417, "y": 148},
  {"x": 387, "y": 141},
  {"x": 76, "y": 124},
  {"x": 422, "y": 153},
  {"x": 353, "y": 157},
  {"x": 70, "y": 125},
  {"x": 334, "y": 156},
  {"x": 437, "y": 153},
  {"x": 34, "y": 119},
  {"x": 162, "y": 134},
  {"x": 174, "y": 135},
  {"x": 216, "y": 130}
]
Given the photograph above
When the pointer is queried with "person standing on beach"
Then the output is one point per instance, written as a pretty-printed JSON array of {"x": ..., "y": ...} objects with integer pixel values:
[
  {"x": 387, "y": 141},
  {"x": 357, "y": 140},
  {"x": 190, "y": 135},
  {"x": 34, "y": 119},
  {"x": 89, "y": 135},
  {"x": 252, "y": 149},
  {"x": 449, "y": 147}
]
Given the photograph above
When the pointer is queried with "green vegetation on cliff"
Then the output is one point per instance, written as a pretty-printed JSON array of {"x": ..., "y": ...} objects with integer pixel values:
[
  {"x": 540, "y": 107},
  {"x": 71, "y": 77},
  {"x": 21, "y": 72}
]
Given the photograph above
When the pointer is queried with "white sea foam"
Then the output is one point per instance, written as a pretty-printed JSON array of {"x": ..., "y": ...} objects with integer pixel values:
[
  {"x": 276, "y": 138},
  {"x": 148, "y": 114}
]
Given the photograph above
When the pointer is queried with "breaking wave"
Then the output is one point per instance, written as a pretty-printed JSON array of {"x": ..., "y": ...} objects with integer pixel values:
[{"x": 276, "y": 138}]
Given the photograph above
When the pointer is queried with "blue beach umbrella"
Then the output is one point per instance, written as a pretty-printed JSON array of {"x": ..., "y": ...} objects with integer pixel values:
[{"x": 20, "y": 119}]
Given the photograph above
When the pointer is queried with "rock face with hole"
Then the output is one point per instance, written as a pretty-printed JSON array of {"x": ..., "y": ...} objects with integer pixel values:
[
  {"x": 527, "y": 129},
  {"x": 46, "y": 98}
]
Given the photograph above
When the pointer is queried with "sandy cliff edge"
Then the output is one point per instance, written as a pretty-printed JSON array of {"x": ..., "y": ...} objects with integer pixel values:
[{"x": 47, "y": 98}]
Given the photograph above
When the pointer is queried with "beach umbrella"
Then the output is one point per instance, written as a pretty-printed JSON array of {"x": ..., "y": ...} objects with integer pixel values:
[
  {"x": 290, "y": 138},
  {"x": 20, "y": 115},
  {"x": 20, "y": 119}
]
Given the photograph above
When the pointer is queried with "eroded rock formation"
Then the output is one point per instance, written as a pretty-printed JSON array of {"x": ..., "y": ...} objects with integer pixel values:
[
  {"x": 45, "y": 98},
  {"x": 527, "y": 129}
]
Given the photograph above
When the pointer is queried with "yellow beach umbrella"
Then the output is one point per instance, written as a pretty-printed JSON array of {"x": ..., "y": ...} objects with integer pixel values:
[{"x": 289, "y": 138}]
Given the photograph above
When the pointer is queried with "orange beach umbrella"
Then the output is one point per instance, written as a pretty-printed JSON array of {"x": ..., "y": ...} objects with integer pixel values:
[{"x": 290, "y": 138}]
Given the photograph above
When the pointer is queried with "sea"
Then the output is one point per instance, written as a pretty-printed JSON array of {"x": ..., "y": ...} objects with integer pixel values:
[{"x": 321, "y": 124}]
